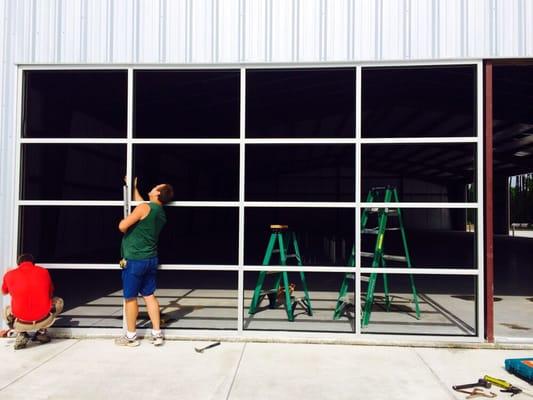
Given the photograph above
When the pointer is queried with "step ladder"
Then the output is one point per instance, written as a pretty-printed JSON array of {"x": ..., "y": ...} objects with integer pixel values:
[
  {"x": 379, "y": 258},
  {"x": 284, "y": 239}
]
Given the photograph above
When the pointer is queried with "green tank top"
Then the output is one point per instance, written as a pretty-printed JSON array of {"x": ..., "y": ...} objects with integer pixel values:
[{"x": 140, "y": 242}]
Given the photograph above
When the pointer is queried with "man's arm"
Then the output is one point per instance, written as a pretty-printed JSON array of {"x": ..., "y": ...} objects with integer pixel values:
[
  {"x": 136, "y": 195},
  {"x": 140, "y": 212},
  {"x": 5, "y": 289}
]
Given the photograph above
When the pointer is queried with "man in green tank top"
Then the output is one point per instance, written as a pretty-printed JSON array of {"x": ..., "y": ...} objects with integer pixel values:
[{"x": 139, "y": 251}]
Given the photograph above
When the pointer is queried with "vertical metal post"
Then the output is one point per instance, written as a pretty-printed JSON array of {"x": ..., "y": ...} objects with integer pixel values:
[{"x": 488, "y": 201}]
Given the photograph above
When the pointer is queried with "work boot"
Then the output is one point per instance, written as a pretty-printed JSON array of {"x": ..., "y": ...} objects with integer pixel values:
[
  {"x": 41, "y": 336},
  {"x": 22, "y": 340}
]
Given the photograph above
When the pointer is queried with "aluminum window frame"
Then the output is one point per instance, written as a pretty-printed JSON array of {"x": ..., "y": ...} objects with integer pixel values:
[{"x": 241, "y": 204}]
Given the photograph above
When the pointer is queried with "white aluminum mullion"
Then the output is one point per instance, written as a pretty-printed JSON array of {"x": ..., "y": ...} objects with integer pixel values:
[
  {"x": 79, "y": 203},
  {"x": 74, "y": 140},
  {"x": 275, "y": 268},
  {"x": 186, "y": 141},
  {"x": 257, "y": 204},
  {"x": 358, "y": 178},
  {"x": 197, "y": 203},
  {"x": 299, "y": 204},
  {"x": 480, "y": 190},
  {"x": 242, "y": 134},
  {"x": 167, "y": 267},
  {"x": 301, "y": 141},
  {"x": 129, "y": 135},
  {"x": 421, "y": 140},
  {"x": 249, "y": 65},
  {"x": 16, "y": 194},
  {"x": 418, "y": 205}
]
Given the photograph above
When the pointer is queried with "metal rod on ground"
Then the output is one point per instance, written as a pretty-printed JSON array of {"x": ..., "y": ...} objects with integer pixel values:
[{"x": 201, "y": 349}]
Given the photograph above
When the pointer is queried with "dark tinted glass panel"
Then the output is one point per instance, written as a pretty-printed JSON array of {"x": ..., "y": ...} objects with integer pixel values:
[
  {"x": 93, "y": 299},
  {"x": 435, "y": 238},
  {"x": 197, "y": 172},
  {"x": 447, "y": 305},
  {"x": 187, "y": 104},
  {"x": 513, "y": 121},
  {"x": 323, "y": 291},
  {"x": 75, "y": 234},
  {"x": 200, "y": 235},
  {"x": 325, "y": 235},
  {"x": 294, "y": 103},
  {"x": 419, "y": 101},
  {"x": 75, "y": 104},
  {"x": 73, "y": 171},
  {"x": 300, "y": 172},
  {"x": 421, "y": 172},
  {"x": 188, "y": 299}
]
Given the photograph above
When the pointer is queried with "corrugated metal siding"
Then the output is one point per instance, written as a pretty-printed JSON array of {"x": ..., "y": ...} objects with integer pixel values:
[
  {"x": 243, "y": 31},
  {"x": 235, "y": 31}
]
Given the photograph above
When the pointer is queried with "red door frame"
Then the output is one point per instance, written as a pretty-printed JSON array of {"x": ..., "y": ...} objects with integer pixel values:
[
  {"x": 488, "y": 96},
  {"x": 488, "y": 201}
]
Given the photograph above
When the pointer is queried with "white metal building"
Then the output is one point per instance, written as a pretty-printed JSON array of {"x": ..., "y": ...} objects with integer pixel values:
[{"x": 247, "y": 37}]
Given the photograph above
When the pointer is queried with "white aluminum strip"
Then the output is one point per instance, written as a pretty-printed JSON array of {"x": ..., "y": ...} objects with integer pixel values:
[
  {"x": 186, "y": 141},
  {"x": 18, "y": 160},
  {"x": 274, "y": 268},
  {"x": 129, "y": 134},
  {"x": 74, "y": 140},
  {"x": 242, "y": 193},
  {"x": 199, "y": 203},
  {"x": 480, "y": 190},
  {"x": 237, "y": 65},
  {"x": 299, "y": 204},
  {"x": 80, "y": 203},
  {"x": 419, "y": 205},
  {"x": 438, "y": 140},
  {"x": 421, "y": 271},
  {"x": 301, "y": 141},
  {"x": 358, "y": 180}
]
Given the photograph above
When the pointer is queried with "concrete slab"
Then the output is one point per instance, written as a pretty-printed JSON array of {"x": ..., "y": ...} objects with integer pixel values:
[
  {"x": 460, "y": 366},
  {"x": 17, "y": 363},
  {"x": 292, "y": 371},
  {"x": 97, "y": 369}
]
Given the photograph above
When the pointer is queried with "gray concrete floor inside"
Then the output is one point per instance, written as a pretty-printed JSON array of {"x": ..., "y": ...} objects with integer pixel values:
[{"x": 441, "y": 314}]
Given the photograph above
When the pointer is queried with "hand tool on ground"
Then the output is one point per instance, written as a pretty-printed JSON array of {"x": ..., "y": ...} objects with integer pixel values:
[
  {"x": 478, "y": 392},
  {"x": 480, "y": 382},
  {"x": 201, "y": 349},
  {"x": 508, "y": 388}
]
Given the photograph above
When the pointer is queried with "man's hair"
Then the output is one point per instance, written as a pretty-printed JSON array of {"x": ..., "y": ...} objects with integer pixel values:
[
  {"x": 166, "y": 193},
  {"x": 24, "y": 257}
]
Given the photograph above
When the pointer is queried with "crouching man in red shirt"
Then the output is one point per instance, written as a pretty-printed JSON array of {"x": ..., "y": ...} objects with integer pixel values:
[{"x": 32, "y": 306}]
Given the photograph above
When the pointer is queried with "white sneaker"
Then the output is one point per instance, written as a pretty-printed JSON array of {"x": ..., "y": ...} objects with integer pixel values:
[
  {"x": 157, "y": 340},
  {"x": 125, "y": 341}
]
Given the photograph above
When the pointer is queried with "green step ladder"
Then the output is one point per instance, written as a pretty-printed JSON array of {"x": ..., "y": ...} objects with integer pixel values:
[
  {"x": 281, "y": 236},
  {"x": 388, "y": 194}
]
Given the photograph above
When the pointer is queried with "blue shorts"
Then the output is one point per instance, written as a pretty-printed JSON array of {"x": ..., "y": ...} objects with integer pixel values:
[{"x": 139, "y": 276}]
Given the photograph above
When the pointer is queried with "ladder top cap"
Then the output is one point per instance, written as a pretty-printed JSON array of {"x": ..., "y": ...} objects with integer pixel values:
[{"x": 279, "y": 227}]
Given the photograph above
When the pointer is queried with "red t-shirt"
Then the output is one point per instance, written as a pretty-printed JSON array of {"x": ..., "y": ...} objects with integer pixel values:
[{"x": 31, "y": 291}]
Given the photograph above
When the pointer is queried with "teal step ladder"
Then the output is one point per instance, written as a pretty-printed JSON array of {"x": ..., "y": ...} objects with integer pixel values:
[
  {"x": 379, "y": 258},
  {"x": 281, "y": 236}
]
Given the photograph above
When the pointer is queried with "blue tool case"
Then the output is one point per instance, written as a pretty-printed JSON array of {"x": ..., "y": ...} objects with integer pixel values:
[{"x": 521, "y": 367}]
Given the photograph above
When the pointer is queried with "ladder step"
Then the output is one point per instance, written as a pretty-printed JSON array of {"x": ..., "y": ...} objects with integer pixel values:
[
  {"x": 288, "y": 255},
  {"x": 363, "y": 278},
  {"x": 374, "y": 231},
  {"x": 389, "y": 211},
  {"x": 385, "y": 256}
]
